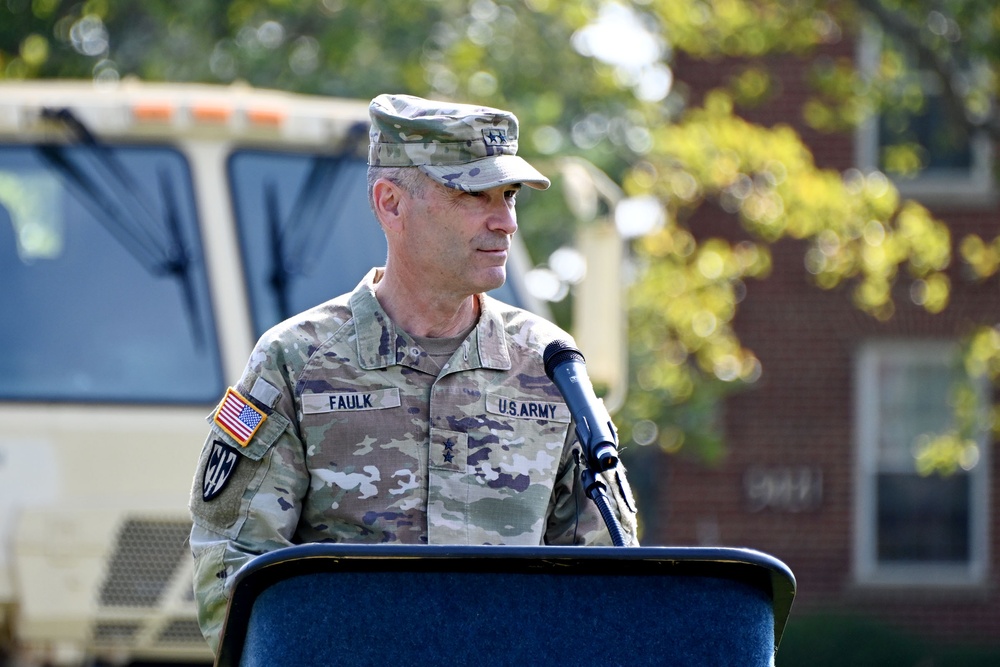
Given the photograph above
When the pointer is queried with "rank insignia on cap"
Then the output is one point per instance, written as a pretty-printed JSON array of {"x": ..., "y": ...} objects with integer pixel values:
[
  {"x": 495, "y": 137},
  {"x": 222, "y": 462},
  {"x": 239, "y": 417}
]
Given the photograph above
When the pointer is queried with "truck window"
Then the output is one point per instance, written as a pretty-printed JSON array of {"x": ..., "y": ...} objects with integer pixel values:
[
  {"x": 103, "y": 292},
  {"x": 306, "y": 230}
]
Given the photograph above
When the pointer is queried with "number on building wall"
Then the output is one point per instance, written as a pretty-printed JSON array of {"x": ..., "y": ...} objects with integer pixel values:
[{"x": 783, "y": 488}]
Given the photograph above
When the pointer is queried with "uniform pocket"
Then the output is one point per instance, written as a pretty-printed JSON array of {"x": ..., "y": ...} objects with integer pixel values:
[
  {"x": 266, "y": 434},
  {"x": 229, "y": 475}
]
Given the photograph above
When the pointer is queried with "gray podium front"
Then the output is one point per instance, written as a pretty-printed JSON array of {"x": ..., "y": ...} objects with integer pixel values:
[{"x": 329, "y": 605}]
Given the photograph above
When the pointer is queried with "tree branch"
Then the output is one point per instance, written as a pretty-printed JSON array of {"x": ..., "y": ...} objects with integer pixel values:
[{"x": 944, "y": 64}]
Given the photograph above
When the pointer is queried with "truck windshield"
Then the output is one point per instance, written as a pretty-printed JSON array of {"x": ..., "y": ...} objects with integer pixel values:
[
  {"x": 103, "y": 292},
  {"x": 306, "y": 229}
]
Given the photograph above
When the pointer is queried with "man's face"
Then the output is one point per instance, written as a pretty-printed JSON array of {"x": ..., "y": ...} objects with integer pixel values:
[{"x": 457, "y": 242}]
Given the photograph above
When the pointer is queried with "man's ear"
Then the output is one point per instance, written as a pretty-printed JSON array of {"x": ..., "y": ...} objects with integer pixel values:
[{"x": 388, "y": 200}]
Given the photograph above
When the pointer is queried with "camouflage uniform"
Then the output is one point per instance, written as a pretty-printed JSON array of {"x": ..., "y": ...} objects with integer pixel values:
[
  {"x": 343, "y": 429},
  {"x": 364, "y": 440}
]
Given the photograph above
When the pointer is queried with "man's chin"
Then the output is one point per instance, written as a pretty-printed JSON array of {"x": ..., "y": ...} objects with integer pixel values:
[{"x": 494, "y": 280}]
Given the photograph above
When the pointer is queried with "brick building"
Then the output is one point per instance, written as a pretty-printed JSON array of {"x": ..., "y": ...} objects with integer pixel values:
[{"x": 819, "y": 468}]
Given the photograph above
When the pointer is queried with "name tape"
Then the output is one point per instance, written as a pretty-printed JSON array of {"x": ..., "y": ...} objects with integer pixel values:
[{"x": 350, "y": 401}]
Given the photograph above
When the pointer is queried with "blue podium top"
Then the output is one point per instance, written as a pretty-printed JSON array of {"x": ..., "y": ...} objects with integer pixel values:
[{"x": 312, "y": 604}]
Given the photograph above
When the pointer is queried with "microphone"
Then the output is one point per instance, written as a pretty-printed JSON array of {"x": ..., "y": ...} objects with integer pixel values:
[{"x": 566, "y": 367}]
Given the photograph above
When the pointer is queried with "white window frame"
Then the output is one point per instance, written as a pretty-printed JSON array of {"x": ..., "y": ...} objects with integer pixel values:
[
  {"x": 974, "y": 186},
  {"x": 867, "y": 570}
]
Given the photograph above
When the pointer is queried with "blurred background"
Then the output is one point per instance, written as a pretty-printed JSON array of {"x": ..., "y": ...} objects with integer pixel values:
[{"x": 773, "y": 231}]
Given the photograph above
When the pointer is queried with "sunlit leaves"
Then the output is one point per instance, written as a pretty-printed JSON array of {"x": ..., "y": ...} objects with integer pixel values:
[
  {"x": 857, "y": 226},
  {"x": 842, "y": 97},
  {"x": 982, "y": 358},
  {"x": 905, "y": 159},
  {"x": 912, "y": 55},
  {"x": 972, "y": 418},
  {"x": 707, "y": 28},
  {"x": 687, "y": 300},
  {"x": 752, "y": 86},
  {"x": 681, "y": 314},
  {"x": 982, "y": 361},
  {"x": 982, "y": 257},
  {"x": 44, "y": 8},
  {"x": 945, "y": 454},
  {"x": 34, "y": 51}
]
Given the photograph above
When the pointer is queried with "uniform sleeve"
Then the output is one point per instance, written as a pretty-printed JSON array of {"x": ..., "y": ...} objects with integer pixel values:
[
  {"x": 245, "y": 500},
  {"x": 573, "y": 518}
]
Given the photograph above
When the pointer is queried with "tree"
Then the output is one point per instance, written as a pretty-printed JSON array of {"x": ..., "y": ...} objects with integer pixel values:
[{"x": 594, "y": 79}]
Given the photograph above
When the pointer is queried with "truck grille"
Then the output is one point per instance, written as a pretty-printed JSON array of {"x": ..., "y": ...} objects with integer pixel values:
[
  {"x": 116, "y": 632},
  {"x": 147, "y": 553},
  {"x": 181, "y": 630},
  {"x": 146, "y": 602}
]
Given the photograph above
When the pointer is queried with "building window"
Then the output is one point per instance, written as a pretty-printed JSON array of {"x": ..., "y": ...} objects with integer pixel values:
[
  {"x": 914, "y": 527},
  {"x": 916, "y": 140}
]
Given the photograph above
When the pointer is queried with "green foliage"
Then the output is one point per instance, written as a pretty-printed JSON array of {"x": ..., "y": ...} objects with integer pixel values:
[
  {"x": 765, "y": 176},
  {"x": 834, "y": 640},
  {"x": 982, "y": 362},
  {"x": 737, "y": 28},
  {"x": 575, "y": 99}
]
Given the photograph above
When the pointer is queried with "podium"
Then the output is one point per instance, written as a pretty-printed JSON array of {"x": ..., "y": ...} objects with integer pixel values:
[{"x": 352, "y": 605}]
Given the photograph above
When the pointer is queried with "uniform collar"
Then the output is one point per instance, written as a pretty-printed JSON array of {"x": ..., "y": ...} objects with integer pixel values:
[{"x": 382, "y": 344}]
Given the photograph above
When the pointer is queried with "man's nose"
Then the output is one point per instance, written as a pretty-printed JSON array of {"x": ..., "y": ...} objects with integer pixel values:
[{"x": 503, "y": 217}]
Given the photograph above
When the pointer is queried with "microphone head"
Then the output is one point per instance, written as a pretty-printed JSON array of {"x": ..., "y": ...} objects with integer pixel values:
[{"x": 559, "y": 352}]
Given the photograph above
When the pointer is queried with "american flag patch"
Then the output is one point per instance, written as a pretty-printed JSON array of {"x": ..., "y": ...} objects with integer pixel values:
[{"x": 238, "y": 417}]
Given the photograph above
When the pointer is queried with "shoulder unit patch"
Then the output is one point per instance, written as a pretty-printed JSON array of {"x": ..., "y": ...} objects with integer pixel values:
[{"x": 222, "y": 464}]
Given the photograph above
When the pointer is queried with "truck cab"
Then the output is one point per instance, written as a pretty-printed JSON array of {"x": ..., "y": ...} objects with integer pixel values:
[{"x": 148, "y": 235}]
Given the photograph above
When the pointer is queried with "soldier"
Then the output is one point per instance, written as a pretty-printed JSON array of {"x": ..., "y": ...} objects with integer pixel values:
[{"x": 416, "y": 408}]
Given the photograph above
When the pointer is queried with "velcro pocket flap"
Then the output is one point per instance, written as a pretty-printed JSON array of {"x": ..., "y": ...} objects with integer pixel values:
[{"x": 265, "y": 436}]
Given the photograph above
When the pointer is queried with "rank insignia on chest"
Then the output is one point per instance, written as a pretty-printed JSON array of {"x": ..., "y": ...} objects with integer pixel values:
[
  {"x": 239, "y": 417},
  {"x": 222, "y": 462}
]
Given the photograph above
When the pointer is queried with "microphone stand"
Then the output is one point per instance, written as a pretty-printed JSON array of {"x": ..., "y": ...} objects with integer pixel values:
[
  {"x": 598, "y": 492},
  {"x": 600, "y": 454}
]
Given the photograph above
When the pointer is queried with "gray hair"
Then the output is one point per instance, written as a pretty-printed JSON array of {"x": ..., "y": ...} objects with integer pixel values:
[{"x": 411, "y": 179}]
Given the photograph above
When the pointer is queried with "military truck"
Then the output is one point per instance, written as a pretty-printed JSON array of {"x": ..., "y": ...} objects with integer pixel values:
[{"x": 149, "y": 233}]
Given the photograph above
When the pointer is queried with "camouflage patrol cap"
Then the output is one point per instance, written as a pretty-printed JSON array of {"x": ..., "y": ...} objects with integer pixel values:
[{"x": 461, "y": 146}]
